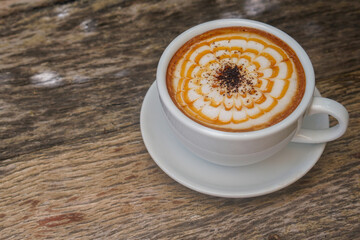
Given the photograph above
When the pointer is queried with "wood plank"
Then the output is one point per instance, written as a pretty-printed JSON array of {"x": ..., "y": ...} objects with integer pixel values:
[{"x": 73, "y": 75}]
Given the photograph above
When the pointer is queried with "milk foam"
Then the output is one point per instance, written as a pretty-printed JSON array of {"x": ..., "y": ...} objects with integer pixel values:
[{"x": 268, "y": 75}]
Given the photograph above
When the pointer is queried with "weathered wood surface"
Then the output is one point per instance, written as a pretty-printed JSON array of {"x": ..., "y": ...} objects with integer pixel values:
[{"x": 73, "y": 75}]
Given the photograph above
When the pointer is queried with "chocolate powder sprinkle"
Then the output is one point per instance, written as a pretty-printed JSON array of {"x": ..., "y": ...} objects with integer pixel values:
[{"x": 231, "y": 77}]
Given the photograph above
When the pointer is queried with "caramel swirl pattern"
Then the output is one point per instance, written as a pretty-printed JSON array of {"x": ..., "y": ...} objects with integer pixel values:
[{"x": 268, "y": 88}]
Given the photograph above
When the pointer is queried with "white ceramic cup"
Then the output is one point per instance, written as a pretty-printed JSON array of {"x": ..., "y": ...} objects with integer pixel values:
[{"x": 243, "y": 148}]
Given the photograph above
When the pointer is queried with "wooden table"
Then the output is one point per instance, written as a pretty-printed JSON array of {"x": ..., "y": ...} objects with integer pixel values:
[{"x": 73, "y": 75}]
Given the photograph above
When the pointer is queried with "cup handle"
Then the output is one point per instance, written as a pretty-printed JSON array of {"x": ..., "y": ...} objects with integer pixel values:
[{"x": 328, "y": 106}]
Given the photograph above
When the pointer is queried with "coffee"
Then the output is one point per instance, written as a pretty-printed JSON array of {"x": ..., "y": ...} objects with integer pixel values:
[{"x": 236, "y": 79}]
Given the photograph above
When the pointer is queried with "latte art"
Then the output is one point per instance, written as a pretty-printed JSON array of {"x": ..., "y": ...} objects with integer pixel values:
[{"x": 236, "y": 79}]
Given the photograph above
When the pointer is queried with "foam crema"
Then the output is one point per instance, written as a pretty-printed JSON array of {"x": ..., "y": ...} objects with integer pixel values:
[{"x": 236, "y": 79}]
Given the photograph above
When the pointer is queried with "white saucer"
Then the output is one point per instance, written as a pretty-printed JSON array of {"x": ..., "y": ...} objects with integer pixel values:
[{"x": 200, "y": 175}]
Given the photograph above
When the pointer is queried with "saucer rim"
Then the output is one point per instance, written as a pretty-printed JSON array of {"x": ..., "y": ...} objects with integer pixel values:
[{"x": 178, "y": 177}]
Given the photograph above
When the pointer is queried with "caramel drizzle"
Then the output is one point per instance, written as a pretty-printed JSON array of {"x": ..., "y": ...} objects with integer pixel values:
[{"x": 187, "y": 74}]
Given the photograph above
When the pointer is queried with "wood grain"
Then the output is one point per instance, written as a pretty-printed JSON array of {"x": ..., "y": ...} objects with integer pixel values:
[{"x": 73, "y": 75}]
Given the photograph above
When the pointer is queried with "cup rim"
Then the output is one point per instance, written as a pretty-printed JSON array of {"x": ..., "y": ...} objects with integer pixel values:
[{"x": 181, "y": 39}]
